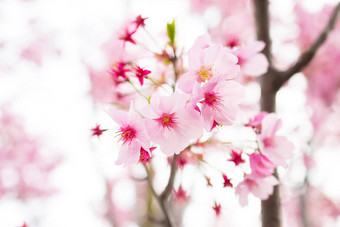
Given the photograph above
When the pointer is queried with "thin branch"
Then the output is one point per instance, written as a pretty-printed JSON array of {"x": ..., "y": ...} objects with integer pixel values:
[
  {"x": 168, "y": 189},
  {"x": 308, "y": 55},
  {"x": 158, "y": 198}
]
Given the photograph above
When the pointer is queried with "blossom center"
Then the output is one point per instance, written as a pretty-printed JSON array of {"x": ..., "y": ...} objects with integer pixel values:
[
  {"x": 167, "y": 120},
  {"x": 205, "y": 73},
  {"x": 268, "y": 142},
  {"x": 212, "y": 99},
  {"x": 127, "y": 134}
]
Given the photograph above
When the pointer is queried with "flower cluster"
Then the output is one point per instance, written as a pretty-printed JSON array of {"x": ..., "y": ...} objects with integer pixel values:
[{"x": 178, "y": 111}]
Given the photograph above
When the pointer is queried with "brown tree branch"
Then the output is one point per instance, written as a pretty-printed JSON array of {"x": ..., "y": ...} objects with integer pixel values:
[
  {"x": 308, "y": 55},
  {"x": 162, "y": 198},
  {"x": 262, "y": 21}
]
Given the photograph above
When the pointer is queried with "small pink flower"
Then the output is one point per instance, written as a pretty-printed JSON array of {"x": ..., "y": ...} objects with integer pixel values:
[
  {"x": 118, "y": 72},
  {"x": 276, "y": 148},
  {"x": 127, "y": 37},
  {"x": 206, "y": 63},
  {"x": 145, "y": 155},
  {"x": 140, "y": 21},
  {"x": 236, "y": 157},
  {"x": 171, "y": 124},
  {"x": 181, "y": 195},
  {"x": 131, "y": 134},
  {"x": 96, "y": 131},
  {"x": 220, "y": 101},
  {"x": 227, "y": 181},
  {"x": 258, "y": 186},
  {"x": 217, "y": 209},
  {"x": 252, "y": 62},
  {"x": 256, "y": 122},
  {"x": 141, "y": 74},
  {"x": 260, "y": 165}
]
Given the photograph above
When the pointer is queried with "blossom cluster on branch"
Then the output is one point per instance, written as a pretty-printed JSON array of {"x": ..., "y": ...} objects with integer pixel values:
[{"x": 174, "y": 109}]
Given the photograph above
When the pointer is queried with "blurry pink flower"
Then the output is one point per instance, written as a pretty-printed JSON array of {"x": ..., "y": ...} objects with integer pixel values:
[
  {"x": 260, "y": 165},
  {"x": 258, "y": 186},
  {"x": 236, "y": 157},
  {"x": 181, "y": 195},
  {"x": 118, "y": 72},
  {"x": 96, "y": 131},
  {"x": 141, "y": 74},
  {"x": 217, "y": 209},
  {"x": 140, "y": 21},
  {"x": 206, "y": 63},
  {"x": 276, "y": 148},
  {"x": 256, "y": 122},
  {"x": 132, "y": 135},
  {"x": 252, "y": 62},
  {"x": 220, "y": 100},
  {"x": 127, "y": 36},
  {"x": 171, "y": 124},
  {"x": 227, "y": 181}
]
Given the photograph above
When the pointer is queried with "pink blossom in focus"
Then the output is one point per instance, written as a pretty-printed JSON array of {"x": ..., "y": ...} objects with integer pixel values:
[
  {"x": 258, "y": 186},
  {"x": 131, "y": 134},
  {"x": 260, "y": 165},
  {"x": 171, "y": 124},
  {"x": 252, "y": 62},
  {"x": 276, "y": 148},
  {"x": 220, "y": 100},
  {"x": 206, "y": 63}
]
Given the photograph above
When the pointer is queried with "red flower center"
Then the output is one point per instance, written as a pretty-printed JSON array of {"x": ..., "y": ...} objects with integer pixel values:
[
  {"x": 167, "y": 120},
  {"x": 127, "y": 134},
  {"x": 212, "y": 99}
]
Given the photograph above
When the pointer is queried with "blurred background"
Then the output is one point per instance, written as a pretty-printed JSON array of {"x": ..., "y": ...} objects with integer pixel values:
[{"x": 54, "y": 173}]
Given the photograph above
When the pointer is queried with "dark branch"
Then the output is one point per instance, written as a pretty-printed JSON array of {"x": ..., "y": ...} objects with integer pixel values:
[
  {"x": 308, "y": 55},
  {"x": 263, "y": 27},
  {"x": 168, "y": 189}
]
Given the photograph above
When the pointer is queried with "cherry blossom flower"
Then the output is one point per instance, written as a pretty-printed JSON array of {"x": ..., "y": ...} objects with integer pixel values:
[
  {"x": 96, "y": 131},
  {"x": 127, "y": 36},
  {"x": 258, "y": 186},
  {"x": 236, "y": 157},
  {"x": 256, "y": 122},
  {"x": 145, "y": 156},
  {"x": 131, "y": 134},
  {"x": 261, "y": 165},
  {"x": 252, "y": 62},
  {"x": 141, "y": 74},
  {"x": 206, "y": 63},
  {"x": 276, "y": 148},
  {"x": 140, "y": 21},
  {"x": 217, "y": 209},
  {"x": 170, "y": 123},
  {"x": 181, "y": 195},
  {"x": 220, "y": 100},
  {"x": 227, "y": 181}
]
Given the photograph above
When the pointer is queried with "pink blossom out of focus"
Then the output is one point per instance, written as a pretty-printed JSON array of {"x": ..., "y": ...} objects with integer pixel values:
[
  {"x": 260, "y": 165},
  {"x": 276, "y": 148},
  {"x": 252, "y": 62},
  {"x": 258, "y": 186}
]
